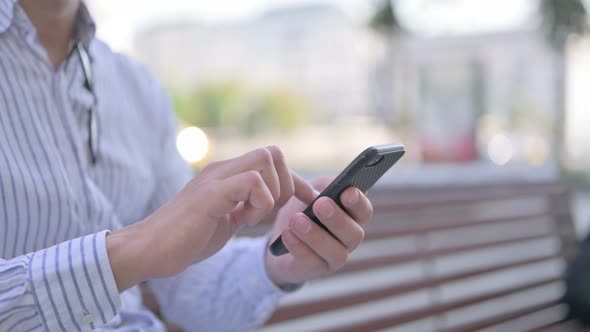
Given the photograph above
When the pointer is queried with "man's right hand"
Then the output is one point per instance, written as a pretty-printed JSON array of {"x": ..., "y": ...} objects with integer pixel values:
[{"x": 204, "y": 215}]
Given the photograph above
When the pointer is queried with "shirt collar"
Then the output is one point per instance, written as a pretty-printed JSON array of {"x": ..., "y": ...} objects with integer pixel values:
[
  {"x": 84, "y": 27},
  {"x": 6, "y": 13}
]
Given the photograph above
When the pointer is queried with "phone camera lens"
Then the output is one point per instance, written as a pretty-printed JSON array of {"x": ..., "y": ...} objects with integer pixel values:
[{"x": 376, "y": 160}]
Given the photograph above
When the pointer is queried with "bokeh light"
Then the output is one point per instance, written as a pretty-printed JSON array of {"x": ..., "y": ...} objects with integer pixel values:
[
  {"x": 536, "y": 149},
  {"x": 192, "y": 144},
  {"x": 500, "y": 149}
]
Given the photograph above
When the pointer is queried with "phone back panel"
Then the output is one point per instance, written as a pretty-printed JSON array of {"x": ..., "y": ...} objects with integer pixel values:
[
  {"x": 363, "y": 172},
  {"x": 362, "y": 176},
  {"x": 368, "y": 176}
]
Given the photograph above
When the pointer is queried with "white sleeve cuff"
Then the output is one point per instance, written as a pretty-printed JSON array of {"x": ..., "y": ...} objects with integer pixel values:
[{"x": 73, "y": 284}]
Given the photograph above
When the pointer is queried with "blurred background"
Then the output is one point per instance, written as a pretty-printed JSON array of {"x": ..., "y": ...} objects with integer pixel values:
[
  {"x": 490, "y": 97},
  {"x": 483, "y": 89}
]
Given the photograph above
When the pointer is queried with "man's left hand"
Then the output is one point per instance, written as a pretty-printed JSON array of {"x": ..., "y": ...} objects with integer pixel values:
[{"x": 313, "y": 252}]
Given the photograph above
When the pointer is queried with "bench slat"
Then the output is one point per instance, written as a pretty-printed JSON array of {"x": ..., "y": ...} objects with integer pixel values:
[
  {"x": 440, "y": 259},
  {"x": 502, "y": 318},
  {"x": 537, "y": 321},
  {"x": 371, "y": 263},
  {"x": 404, "y": 198},
  {"x": 307, "y": 308},
  {"x": 431, "y": 311},
  {"x": 393, "y": 228}
]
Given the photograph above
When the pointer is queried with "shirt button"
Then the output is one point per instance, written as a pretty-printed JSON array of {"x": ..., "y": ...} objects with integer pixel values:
[{"x": 87, "y": 319}]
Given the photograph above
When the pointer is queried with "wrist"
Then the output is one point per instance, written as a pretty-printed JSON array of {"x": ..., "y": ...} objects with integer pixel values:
[
  {"x": 278, "y": 279},
  {"x": 272, "y": 273},
  {"x": 272, "y": 270},
  {"x": 129, "y": 254},
  {"x": 275, "y": 273}
]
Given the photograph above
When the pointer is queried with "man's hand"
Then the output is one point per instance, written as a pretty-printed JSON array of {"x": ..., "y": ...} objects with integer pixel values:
[
  {"x": 312, "y": 251},
  {"x": 203, "y": 216}
]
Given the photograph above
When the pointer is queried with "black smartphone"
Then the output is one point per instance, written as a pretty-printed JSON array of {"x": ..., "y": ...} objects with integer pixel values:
[{"x": 363, "y": 172}]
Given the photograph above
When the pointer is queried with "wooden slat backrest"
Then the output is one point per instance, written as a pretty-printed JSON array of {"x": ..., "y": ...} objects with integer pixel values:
[{"x": 440, "y": 259}]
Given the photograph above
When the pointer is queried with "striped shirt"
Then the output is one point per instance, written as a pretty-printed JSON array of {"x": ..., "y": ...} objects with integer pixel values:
[{"x": 56, "y": 206}]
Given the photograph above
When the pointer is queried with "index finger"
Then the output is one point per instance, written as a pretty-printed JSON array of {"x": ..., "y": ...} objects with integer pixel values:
[
  {"x": 304, "y": 191},
  {"x": 257, "y": 160}
]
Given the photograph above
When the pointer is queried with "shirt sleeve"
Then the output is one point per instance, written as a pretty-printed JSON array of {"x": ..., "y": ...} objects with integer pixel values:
[
  {"x": 231, "y": 290},
  {"x": 68, "y": 287}
]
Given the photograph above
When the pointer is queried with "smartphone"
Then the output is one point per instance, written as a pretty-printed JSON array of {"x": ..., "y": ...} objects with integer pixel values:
[{"x": 363, "y": 172}]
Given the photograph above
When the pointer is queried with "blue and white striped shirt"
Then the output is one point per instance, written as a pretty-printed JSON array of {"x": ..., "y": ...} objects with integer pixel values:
[{"x": 56, "y": 207}]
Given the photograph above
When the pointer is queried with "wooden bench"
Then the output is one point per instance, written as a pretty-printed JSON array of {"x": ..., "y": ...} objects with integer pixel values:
[{"x": 470, "y": 258}]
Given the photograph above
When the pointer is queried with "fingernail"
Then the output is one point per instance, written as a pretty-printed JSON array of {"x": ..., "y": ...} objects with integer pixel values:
[
  {"x": 354, "y": 198},
  {"x": 302, "y": 225},
  {"x": 316, "y": 193},
  {"x": 291, "y": 239},
  {"x": 326, "y": 210}
]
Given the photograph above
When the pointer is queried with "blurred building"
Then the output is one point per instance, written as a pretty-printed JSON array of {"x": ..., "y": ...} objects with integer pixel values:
[
  {"x": 462, "y": 97},
  {"x": 468, "y": 97},
  {"x": 317, "y": 51}
]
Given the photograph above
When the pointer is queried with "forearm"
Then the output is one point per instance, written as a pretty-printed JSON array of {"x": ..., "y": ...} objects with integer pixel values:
[
  {"x": 156, "y": 247},
  {"x": 233, "y": 280}
]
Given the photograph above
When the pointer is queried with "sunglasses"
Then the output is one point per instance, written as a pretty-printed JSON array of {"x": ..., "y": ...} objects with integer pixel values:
[{"x": 93, "y": 130}]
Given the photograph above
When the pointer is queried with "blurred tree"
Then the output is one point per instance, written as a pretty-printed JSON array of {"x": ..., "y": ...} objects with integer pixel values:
[
  {"x": 385, "y": 19},
  {"x": 213, "y": 105},
  {"x": 561, "y": 20},
  {"x": 386, "y": 22},
  {"x": 229, "y": 105},
  {"x": 278, "y": 111},
  {"x": 184, "y": 107}
]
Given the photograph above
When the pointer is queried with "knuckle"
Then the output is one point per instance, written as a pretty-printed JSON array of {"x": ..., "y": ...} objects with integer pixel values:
[
  {"x": 341, "y": 259},
  {"x": 324, "y": 267},
  {"x": 357, "y": 239},
  {"x": 276, "y": 152},
  {"x": 264, "y": 156},
  {"x": 254, "y": 178},
  {"x": 361, "y": 237},
  {"x": 275, "y": 192},
  {"x": 337, "y": 261},
  {"x": 268, "y": 203},
  {"x": 370, "y": 210},
  {"x": 211, "y": 166}
]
